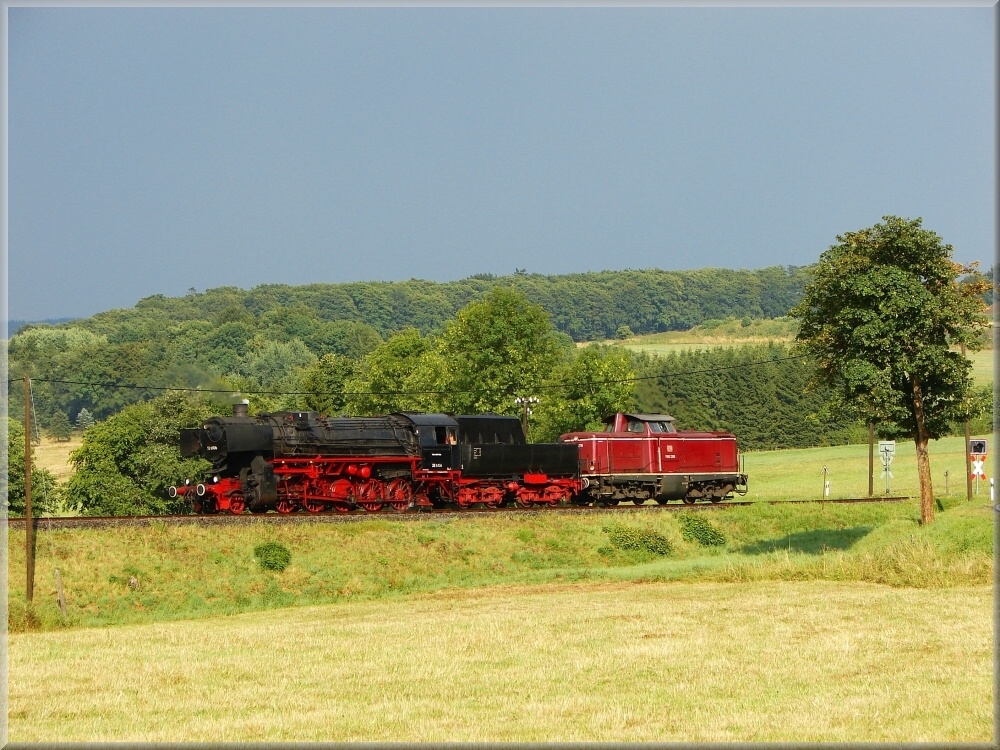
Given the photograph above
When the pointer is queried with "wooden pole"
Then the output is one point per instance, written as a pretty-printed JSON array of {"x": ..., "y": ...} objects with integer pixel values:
[
  {"x": 871, "y": 459},
  {"x": 29, "y": 554}
]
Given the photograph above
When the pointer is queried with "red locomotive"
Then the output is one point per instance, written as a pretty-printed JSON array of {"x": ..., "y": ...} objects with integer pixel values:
[{"x": 642, "y": 456}]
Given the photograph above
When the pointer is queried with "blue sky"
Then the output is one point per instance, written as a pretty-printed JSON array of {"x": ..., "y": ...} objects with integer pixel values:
[{"x": 152, "y": 150}]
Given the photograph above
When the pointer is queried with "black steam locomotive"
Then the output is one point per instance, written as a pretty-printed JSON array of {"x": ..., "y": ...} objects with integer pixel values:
[{"x": 286, "y": 461}]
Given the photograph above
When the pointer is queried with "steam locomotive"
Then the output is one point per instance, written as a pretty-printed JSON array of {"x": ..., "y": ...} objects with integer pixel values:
[{"x": 289, "y": 461}]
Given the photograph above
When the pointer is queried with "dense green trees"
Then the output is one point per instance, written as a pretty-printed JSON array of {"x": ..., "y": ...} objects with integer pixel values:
[
  {"x": 265, "y": 338},
  {"x": 880, "y": 316},
  {"x": 762, "y": 393},
  {"x": 60, "y": 428},
  {"x": 128, "y": 461},
  {"x": 585, "y": 386},
  {"x": 495, "y": 350}
]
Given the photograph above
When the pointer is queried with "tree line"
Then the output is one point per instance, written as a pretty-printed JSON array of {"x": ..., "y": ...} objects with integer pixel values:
[{"x": 259, "y": 339}]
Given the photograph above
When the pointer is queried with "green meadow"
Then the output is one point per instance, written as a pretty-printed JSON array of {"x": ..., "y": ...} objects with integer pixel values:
[{"x": 732, "y": 332}]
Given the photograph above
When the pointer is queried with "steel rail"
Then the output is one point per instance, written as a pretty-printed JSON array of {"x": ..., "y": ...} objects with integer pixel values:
[{"x": 407, "y": 515}]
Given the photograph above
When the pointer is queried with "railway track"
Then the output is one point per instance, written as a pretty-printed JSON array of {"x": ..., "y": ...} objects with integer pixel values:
[{"x": 64, "y": 522}]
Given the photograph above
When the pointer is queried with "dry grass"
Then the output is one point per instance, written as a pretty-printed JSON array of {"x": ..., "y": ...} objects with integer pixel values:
[
  {"x": 54, "y": 456},
  {"x": 771, "y": 662}
]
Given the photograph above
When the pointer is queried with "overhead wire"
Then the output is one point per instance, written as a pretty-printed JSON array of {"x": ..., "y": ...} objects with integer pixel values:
[{"x": 550, "y": 386}]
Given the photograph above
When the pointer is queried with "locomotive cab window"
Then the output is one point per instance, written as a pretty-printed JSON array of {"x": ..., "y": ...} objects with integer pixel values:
[
  {"x": 635, "y": 425},
  {"x": 445, "y": 435},
  {"x": 661, "y": 427}
]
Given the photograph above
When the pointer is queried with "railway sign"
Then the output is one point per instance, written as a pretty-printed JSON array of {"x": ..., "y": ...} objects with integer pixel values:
[
  {"x": 886, "y": 449},
  {"x": 977, "y": 447},
  {"x": 978, "y": 470}
]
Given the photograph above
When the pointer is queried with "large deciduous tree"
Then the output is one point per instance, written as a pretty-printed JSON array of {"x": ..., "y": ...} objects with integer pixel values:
[
  {"x": 587, "y": 385},
  {"x": 881, "y": 314},
  {"x": 496, "y": 350}
]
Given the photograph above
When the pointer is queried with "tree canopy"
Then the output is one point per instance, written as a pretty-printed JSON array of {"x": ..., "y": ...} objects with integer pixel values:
[
  {"x": 128, "y": 461},
  {"x": 881, "y": 315},
  {"x": 258, "y": 339}
]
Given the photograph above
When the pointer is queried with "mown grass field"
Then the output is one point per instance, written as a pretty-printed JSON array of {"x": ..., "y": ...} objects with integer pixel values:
[
  {"x": 810, "y": 623},
  {"x": 641, "y": 662},
  {"x": 54, "y": 455}
]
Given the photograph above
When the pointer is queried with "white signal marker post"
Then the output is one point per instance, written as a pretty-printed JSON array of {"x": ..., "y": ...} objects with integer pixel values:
[{"x": 887, "y": 449}]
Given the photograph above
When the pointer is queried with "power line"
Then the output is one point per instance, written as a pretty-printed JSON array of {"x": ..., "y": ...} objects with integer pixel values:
[{"x": 552, "y": 386}]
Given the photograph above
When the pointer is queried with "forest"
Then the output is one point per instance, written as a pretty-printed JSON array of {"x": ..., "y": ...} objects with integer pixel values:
[{"x": 257, "y": 340}]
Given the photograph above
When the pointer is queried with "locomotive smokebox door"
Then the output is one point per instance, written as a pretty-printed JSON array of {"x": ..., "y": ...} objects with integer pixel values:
[{"x": 190, "y": 443}]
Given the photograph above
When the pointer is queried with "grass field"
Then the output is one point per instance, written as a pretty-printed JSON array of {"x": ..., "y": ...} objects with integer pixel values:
[
  {"x": 54, "y": 455},
  {"x": 798, "y": 474},
  {"x": 809, "y": 623},
  {"x": 780, "y": 330},
  {"x": 641, "y": 662}
]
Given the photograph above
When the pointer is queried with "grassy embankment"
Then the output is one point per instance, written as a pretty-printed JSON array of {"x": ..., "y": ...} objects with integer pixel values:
[{"x": 185, "y": 572}]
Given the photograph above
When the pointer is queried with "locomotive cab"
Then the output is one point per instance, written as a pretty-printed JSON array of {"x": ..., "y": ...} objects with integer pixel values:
[
  {"x": 642, "y": 456},
  {"x": 438, "y": 437}
]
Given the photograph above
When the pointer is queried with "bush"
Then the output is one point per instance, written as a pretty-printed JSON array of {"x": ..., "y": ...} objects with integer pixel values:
[
  {"x": 628, "y": 538},
  {"x": 272, "y": 555},
  {"x": 695, "y": 528}
]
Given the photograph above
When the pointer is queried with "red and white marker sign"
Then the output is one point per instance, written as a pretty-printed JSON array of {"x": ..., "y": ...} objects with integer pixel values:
[{"x": 978, "y": 463}]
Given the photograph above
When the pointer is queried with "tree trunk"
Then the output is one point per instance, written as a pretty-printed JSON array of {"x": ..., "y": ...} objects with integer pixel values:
[{"x": 921, "y": 439}]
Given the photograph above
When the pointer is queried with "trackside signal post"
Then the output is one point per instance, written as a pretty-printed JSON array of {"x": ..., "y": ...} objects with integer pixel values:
[
  {"x": 887, "y": 449},
  {"x": 977, "y": 460}
]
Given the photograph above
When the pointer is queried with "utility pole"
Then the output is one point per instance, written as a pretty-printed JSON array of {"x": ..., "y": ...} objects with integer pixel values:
[
  {"x": 526, "y": 402},
  {"x": 29, "y": 555}
]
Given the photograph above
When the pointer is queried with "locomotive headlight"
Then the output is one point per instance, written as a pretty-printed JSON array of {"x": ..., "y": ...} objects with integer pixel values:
[
  {"x": 215, "y": 479},
  {"x": 187, "y": 482}
]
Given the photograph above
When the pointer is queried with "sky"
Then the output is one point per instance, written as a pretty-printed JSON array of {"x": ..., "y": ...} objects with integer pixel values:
[{"x": 156, "y": 150}]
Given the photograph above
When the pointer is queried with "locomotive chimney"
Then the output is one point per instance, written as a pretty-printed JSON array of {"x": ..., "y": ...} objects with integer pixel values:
[{"x": 242, "y": 409}]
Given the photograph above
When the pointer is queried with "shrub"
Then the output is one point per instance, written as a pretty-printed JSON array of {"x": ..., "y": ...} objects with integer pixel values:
[
  {"x": 695, "y": 528},
  {"x": 272, "y": 555},
  {"x": 628, "y": 538}
]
